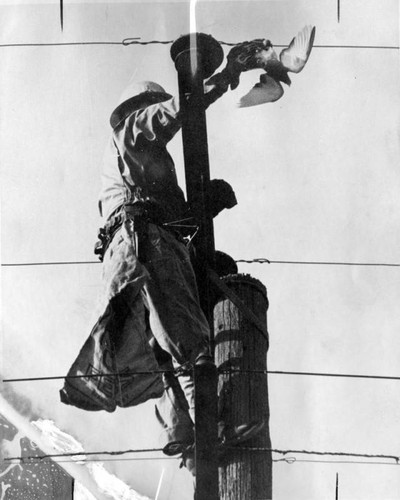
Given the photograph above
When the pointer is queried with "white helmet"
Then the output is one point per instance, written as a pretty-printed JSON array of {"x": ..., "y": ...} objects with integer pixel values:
[{"x": 137, "y": 95}]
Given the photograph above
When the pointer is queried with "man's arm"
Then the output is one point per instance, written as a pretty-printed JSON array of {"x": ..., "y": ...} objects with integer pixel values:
[
  {"x": 160, "y": 122},
  {"x": 157, "y": 123}
]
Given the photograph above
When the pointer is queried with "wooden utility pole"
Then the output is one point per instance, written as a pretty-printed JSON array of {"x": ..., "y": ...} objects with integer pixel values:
[
  {"x": 241, "y": 347},
  {"x": 196, "y": 57}
]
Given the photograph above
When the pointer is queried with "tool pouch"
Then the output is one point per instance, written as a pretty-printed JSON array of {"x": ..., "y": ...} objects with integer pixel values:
[
  {"x": 101, "y": 243},
  {"x": 138, "y": 214},
  {"x": 106, "y": 234}
]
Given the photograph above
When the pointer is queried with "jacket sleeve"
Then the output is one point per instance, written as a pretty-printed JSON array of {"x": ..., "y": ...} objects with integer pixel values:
[{"x": 156, "y": 124}]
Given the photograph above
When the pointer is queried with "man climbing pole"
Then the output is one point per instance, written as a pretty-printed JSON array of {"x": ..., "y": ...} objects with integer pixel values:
[{"x": 149, "y": 318}]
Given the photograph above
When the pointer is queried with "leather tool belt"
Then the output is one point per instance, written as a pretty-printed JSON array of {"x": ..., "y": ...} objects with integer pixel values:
[
  {"x": 140, "y": 213},
  {"x": 136, "y": 212}
]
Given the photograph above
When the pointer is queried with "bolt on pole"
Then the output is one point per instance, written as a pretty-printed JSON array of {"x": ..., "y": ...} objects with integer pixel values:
[{"x": 196, "y": 57}]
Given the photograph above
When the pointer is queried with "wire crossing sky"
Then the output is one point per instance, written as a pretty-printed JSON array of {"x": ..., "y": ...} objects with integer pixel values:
[
  {"x": 244, "y": 448},
  {"x": 246, "y": 261},
  {"x": 137, "y": 41},
  {"x": 272, "y": 372}
]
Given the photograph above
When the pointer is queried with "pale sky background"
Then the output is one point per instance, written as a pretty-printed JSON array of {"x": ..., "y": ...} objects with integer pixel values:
[{"x": 317, "y": 178}]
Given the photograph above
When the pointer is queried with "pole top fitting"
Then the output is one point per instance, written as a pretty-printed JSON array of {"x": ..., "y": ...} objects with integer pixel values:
[{"x": 205, "y": 48}]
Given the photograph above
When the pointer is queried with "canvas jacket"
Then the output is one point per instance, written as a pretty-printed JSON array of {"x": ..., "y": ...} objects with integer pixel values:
[
  {"x": 116, "y": 366},
  {"x": 137, "y": 165}
]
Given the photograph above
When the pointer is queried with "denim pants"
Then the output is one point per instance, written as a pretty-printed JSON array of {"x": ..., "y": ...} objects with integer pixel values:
[{"x": 154, "y": 298}]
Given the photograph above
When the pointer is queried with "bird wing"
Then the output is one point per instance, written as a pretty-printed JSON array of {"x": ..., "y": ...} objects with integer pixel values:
[
  {"x": 268, "y": 90},
  {"x": 296, "y": 55}
]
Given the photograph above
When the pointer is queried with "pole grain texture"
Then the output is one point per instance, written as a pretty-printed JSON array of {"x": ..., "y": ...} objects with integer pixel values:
[{"x": 243, "y": 397}]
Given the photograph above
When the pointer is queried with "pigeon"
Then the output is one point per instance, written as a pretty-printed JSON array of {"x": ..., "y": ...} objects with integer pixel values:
[
  {"x": 242, "y": 57},
  {"x": 292, "y": 59}
]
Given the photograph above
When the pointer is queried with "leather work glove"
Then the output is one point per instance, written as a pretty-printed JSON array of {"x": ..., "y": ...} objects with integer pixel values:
[
  {"x": 215, "y": 91},
  {"x": 243, "y": 57},
  {"x": 221, "y": 196}
]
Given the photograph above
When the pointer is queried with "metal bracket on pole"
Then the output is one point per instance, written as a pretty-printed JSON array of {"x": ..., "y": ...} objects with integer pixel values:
[{"x": 196, "y": 57}]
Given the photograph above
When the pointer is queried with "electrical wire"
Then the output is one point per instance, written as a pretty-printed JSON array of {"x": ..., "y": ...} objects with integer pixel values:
[
  {"x": 84, "y": 453},
  {"x": 86, "y": 460},
  {"x": 99, "y": 375},
  {"x": 348, "y": 462},
  {"x": 136, "y": 41},
  {"x": 237, "y": 448},
  {"x": 311, "y": 374},
  {"x": 246, "y": 261},
  {"x": 319, "y": 453},
  {"x": 223, "y": 371},
  {"x": 56, "y": 44},
  {"x": 288, "y": 460},
  {"x": 314, "y": 263},
  {"x": 59, "y": 263},
  {"x": 386, "y": 47}
]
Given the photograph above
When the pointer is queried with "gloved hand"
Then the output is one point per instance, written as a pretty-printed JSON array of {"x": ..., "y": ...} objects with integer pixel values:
[
  {"x": 243, "y": 57},
  {"x": 221, "y": 196},
  {"x": 214, "y": 91}
]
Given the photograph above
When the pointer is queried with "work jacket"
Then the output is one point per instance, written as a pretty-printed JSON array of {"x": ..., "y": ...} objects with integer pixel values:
[
  {"x": 137, "y": 165},
  {"x": 116, "y": 366}
]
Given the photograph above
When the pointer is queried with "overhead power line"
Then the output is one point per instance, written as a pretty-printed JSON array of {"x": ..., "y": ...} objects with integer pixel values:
[
  {"x": 288, "y": 460},
  {"x": 230, "y": 370},
  {"x": 241, "y": 448},
  {"x": 321, "y": 453},
  {"x": 316, "y": 263},
  {"x": 83, "y": 454},
  {"x": 312, "y": 374},
  {"x": 91, "y": 375},
  {"x": 138, "y": 41},
  {"x": 261, "y": 260},
  {"x": 116, "y": 459},
  {"x": 293, "y": 460},
  {"x": 59, "y": 263}
]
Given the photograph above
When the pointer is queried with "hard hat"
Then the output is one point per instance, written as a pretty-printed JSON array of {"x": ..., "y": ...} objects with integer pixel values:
[{"x": 137, "y": 95}]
